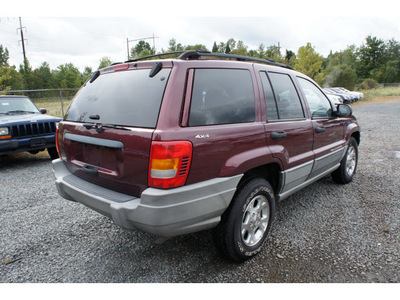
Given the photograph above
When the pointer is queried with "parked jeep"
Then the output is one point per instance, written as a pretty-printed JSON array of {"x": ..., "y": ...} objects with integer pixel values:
[
  {"x": 176, "y": 146},
  {"x": 23, "y": 127}
]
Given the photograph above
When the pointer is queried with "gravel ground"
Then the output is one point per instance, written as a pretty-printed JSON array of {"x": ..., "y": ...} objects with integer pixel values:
[{"x": 324, "y": 233}]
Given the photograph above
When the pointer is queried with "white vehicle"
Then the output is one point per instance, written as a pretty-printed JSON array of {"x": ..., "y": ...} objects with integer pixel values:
[{"x": 357, "y": 95}]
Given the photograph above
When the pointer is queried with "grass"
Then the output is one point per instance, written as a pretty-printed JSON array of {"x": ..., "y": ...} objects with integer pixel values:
[
  {"x": 53, "y": 106},
  {"x": 381, "y": 92}
]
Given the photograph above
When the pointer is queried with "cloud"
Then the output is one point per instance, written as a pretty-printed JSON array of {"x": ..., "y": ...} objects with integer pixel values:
[{"x": 83, "y": 41}]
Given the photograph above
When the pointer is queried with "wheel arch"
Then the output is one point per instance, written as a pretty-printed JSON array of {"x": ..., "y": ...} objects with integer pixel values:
[{"x": 269, "y": 172}]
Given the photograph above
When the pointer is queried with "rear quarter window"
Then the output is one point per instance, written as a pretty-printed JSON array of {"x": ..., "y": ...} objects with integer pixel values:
[
  {"x": 126, "y": 98},
  {"x": 221, "y": 96}
]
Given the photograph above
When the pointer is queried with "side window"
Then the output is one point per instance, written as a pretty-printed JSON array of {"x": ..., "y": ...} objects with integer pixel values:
[
  {"x": 272, "y": 111},
  {"x": 287, "y": 99},
  {"x": 320, "y": 106},
  {"x": 221, "y": 96}
]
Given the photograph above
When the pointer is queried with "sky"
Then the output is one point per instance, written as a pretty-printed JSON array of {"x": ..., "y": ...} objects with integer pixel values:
[{"x": 82, "y": 32}]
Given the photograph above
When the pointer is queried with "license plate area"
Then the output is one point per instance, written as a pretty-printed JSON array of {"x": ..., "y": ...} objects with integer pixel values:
[
  {"x": 38, "y": 142},
  {"x": 103, "y": 158}
]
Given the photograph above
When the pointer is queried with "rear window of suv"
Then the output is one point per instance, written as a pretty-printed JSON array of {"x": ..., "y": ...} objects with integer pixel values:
[
  {"x": 221, "y": 96},
  {"x": 126, "y": 98}
]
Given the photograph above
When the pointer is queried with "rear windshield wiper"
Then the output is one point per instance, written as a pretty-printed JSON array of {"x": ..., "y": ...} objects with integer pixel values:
[{"x": 99, "y": 127}]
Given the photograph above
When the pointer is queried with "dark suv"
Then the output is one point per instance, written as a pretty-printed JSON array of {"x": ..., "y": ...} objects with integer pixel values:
[
  {"x": 181, "y": 145},
  {"x": 23, "y": 127}
]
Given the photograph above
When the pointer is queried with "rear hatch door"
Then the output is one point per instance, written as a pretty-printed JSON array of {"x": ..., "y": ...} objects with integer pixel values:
[{"x": 107, "y": 131}]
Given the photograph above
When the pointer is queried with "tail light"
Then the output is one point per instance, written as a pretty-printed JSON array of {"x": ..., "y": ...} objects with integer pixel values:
[
  {"x": 169, "y": 163},
  {"x": 58, "y": 144}
]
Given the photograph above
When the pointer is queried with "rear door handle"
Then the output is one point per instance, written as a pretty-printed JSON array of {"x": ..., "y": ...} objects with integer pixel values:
[
  {"x": 320, "y": 129},
  {"x": 277, "y": 135}
]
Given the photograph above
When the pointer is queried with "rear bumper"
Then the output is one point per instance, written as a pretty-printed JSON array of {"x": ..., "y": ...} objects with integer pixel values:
[{"x": 161, "y": 212}]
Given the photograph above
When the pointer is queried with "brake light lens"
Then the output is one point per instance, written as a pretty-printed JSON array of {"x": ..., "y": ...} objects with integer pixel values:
[
  {"x": 169, "y": 164},
  {"x": 57, "y": 144}
]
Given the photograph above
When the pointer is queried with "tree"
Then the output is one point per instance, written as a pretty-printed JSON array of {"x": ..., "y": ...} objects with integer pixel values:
[
  {"x": 241, "y": 49},
  {"x": 195, "y": 47},
  {"x": 86, "y": 74},
  {"x": 343, "y": 76},
  {"x": 45, "y": 75},
  {"x": 371, "y": 56},
  {"x": 67, "y": 76},
  {"x": 105, "y": 61},
  {"x": 290, "y": 58},
  {"x": 3, "y": 56},
  {"x": 142, "y": 49},
  {"x": 215, "y": 48},
  {"x": 4, "y": 76},
  {"x": 308, "y": 61},
  {"x": 273, "y": 52},
  {"x": 173, "y": 46}
]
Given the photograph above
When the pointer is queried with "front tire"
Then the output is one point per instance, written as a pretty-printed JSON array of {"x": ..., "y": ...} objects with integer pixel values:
[
  {"x": 245, "y": 225},
  {"x": 53, "y": 152},
  {"x": 348, "y": 166}
]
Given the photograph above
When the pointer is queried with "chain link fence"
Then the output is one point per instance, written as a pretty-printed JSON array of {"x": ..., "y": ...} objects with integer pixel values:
[{"x": 56, "y": 101}]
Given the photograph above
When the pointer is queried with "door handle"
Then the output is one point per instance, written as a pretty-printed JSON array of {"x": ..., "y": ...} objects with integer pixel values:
[
  {"x": 277, "y": 135},
  {"x": 320, "y": 129}
]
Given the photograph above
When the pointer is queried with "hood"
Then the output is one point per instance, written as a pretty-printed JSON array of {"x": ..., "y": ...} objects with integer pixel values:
[{"x": 18, "y": 118}]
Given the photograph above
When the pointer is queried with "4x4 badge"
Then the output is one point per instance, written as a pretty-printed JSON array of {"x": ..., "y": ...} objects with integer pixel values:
[{"x": 202, "y": 136}]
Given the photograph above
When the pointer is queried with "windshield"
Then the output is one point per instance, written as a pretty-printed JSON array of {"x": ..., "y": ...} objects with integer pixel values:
[
  {"x": 10, "y": 105},
  {"x": 127, "y": 98}
]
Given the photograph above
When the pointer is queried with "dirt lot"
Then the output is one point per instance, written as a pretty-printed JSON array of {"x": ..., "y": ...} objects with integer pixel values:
[{"x": 324, "y": 233}]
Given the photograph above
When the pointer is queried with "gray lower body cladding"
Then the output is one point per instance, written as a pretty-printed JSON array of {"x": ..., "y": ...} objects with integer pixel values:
[{"x": 166, "y": 213}]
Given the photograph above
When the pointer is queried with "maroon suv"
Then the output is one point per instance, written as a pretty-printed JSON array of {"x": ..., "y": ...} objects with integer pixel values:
[{"x": 176, "y": 146}]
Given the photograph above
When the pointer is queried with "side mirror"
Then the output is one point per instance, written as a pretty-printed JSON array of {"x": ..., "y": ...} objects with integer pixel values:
[
  {"x": 43, "y": 110},
  {"x": 344, "y": 110}
]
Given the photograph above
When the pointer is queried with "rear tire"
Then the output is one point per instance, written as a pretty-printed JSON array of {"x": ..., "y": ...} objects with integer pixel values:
[
  {"x": 245, "y": 225},
  {"x": 348, "y": 166}
]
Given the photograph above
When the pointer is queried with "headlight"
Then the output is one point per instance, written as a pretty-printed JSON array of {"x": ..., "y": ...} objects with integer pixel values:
[{"x": 4, "y": 133}]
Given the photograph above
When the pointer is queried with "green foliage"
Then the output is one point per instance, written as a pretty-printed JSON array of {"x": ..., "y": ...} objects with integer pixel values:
[
  {"x": 375, "y": 60},
  {"x": 214, "y": 48},
  {"x": 371, "y": 55},
  {"x": 343, "y": 76},
  {"x": 105, "y": 61},
  {"x": 368, "y": 84},
  {"x": 195, "y": 47},
  {"x": 142, "y": 49},
  {"x": 4, "y": 76},
  {"x": 308, "y": 61},
  {"x": 173, "y": 46},
  {"x": 3, "y": 56},
  {"x": 67, "y": 76}
]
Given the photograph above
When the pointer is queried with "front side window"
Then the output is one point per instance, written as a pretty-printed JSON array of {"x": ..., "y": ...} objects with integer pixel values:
[
  {"x": 221, "y": 96},
  {"x": 320, "y": 106},
  {"x": 287, "y": 99}
]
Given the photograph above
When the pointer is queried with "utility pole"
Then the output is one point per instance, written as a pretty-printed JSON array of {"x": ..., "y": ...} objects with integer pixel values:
[
  {"x": 142, "y": 39},
  {"x": 22, "y": 38}
]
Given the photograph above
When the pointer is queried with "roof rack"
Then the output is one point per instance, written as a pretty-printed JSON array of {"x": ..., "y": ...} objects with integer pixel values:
[
  {"x": 155, "y": 55},
  {"x": 196, "y": 54}
]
